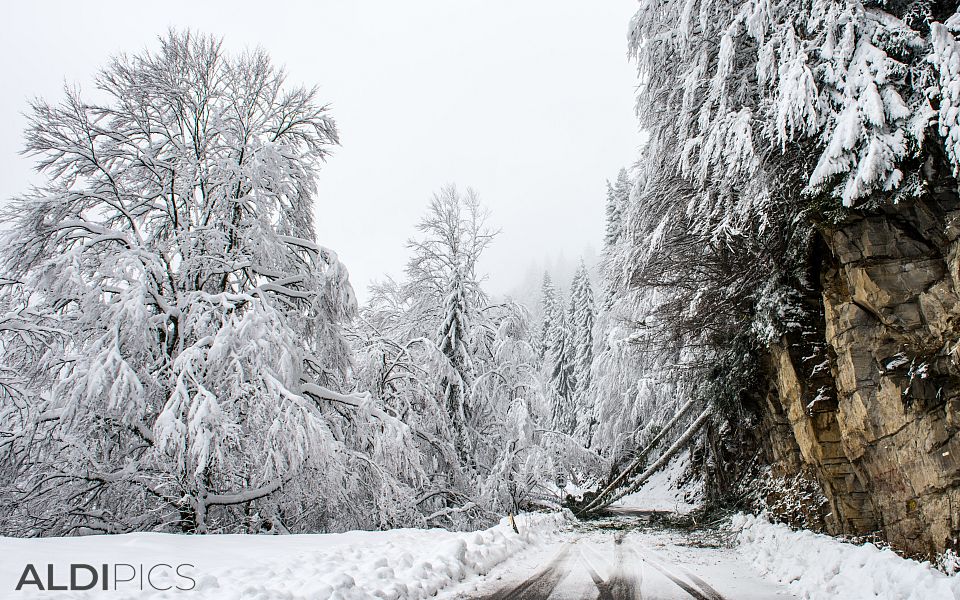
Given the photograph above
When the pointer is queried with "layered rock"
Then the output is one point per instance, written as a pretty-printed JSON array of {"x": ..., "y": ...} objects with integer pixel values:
[{"x": 881, "y": 434}]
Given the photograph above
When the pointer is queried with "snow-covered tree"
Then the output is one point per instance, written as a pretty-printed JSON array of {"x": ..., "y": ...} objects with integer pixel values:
[
  {"x": 562, "y": 382},
  {"x": 550, "y": 316},
  {"x": 453, "y": 341},
  {"x": 556, "y": 353},
  {"x": 583, "y": 311},
  {"x": 26, "y": 333},
  {"x": 460, "y": 370},
  {"x": 454, "y": 235},
  {"x": 618, "y": 194},
  {"x": 837, "y": 95},
  {"x": 582, "y": 321},
  {"x": 766, "y": 119},
  {"x": 444, "y": 291},
  {"x": 617, "y": 208},
  {"x": 199, "y": 381}
]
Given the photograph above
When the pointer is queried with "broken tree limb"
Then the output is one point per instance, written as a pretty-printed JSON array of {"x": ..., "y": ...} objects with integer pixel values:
[{"x": 638, "y": 461}]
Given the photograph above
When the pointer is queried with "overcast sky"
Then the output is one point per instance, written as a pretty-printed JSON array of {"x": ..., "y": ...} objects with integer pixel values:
[{"x": 529, "y": 102}]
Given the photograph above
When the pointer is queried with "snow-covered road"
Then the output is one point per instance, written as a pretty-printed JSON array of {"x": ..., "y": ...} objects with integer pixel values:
[{"x": 618, "y": 559}]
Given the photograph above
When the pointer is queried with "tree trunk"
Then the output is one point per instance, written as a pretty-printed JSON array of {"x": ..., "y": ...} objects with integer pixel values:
[
  {"x": 638, "y": 461},
  {"x": 682, "y": 441},
  {"x": 666, "y": 457}
]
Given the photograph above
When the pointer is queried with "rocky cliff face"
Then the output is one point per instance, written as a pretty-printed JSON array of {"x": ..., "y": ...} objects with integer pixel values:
[{"x": 872, "y": 407}]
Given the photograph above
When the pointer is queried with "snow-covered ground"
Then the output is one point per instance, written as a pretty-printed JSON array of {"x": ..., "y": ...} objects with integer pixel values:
[
  {"x": 812, "y": 566},
  {"x": 666, "y": 490},
  {"x": 768, "y": 561},
  {"x": 819, "y": 567},
  {"x": 619, "y": 558},
  {"x": 403, "y": 563}
]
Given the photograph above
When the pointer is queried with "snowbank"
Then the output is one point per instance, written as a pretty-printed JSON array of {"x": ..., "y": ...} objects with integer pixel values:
[
  {"x": 403, "y": 563},
  {"x": 818, "y": 567}
]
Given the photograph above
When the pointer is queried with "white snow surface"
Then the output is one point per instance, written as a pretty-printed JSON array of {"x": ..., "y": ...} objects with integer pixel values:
[
  {"x": 664, "y": 490},
  {"x": 401, "y": 563},
  {"x": 816, "y": 567}
]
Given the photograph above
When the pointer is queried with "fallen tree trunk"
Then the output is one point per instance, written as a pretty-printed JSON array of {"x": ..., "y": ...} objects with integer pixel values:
[
  {"x": 656, "y": 466},
  {"x": 639, "y": 460}
]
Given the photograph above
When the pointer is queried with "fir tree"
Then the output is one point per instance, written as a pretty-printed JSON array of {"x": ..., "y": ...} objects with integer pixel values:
[
  {"x": 453, "y": 341},
  {"x": 562, "y": 376},
  {"x": 618, "y": 194},
  {"x": 551, "y": 314},
  {"x": 582, "y": 318},
  {"x": 555, "y": 353},
  {"x": 618, "y": 204}
]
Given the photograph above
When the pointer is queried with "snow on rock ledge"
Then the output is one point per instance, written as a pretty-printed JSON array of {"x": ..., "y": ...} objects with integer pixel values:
[
  {"x": 402, "y": 563},
  {"x": 817, "y": 567}
]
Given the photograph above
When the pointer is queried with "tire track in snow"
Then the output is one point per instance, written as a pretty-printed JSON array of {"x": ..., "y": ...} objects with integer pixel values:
[
  {"x": 603, "y": 586},
  {"x": 700, "y": 589},
  {"x": 626, "y": 585},
  {"x": 540, "y": 585},
  {"x": 621, "y": 584}
]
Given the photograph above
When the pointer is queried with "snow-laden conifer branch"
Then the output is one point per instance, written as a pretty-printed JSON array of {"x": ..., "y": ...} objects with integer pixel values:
[{"x": 853, "y": 85}]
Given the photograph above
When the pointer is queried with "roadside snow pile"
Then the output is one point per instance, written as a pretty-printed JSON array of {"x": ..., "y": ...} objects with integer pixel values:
[
  {"x": 664, "y": 490},
  {"x": 403, "y": 563},
  {"x": 819, "y": 567}
]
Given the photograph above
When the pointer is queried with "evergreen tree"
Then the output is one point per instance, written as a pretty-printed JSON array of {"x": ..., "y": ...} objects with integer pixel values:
[
  {"x": 583, "y": 312},
  {"x": 551, "y": 314},
  {"x": 556, "y": 356},
  {"x": 618, "y": 205},
  {"x": 453, "y": 340},
  {"x": 618, "y": 194},
  {"x": 562, "y": 376}
]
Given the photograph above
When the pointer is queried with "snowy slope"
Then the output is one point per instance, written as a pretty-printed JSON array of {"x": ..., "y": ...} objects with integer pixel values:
[
  {"x": 404, "y": 563},
  {"x": 819, "y": 567}
]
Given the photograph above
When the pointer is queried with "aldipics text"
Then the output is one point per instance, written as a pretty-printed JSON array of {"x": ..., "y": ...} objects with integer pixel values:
[{"x": 110, "y": 577}]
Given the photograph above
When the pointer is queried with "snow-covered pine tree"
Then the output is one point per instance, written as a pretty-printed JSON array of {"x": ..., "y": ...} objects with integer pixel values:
[
  {"x": 556, "y": 354},
  {"x": 172, "y": 246},
  {"x": 618, "y": 194},
  {"x": 617, "y": 207},
  {"x": 562, "y": 382},
  {"x": 453, "y": 341},
  {"x": 583, "y": 312},
  {"x": 550, "y": 312},
  {"x": 582, "y": 321}
]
